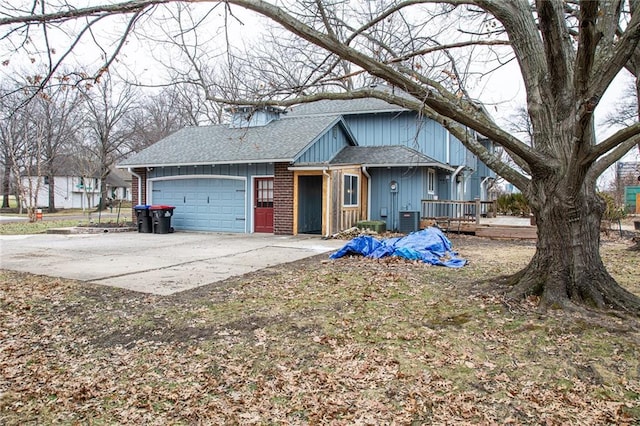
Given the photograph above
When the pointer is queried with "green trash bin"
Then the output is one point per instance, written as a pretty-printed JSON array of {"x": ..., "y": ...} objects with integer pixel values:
[{"x": 161, "y": 218}]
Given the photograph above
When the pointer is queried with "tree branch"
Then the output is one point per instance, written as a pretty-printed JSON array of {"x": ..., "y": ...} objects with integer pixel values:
[
  {"x": 608, "y": 67},
  {"x": 414, "y": 104},
  {"x": 603, "y": 163},
  {"x": 464, "y": 112},
  {"x": 558, "y": 52},
  {"x": 517, "y": 19},
  {"x": 73, "y": 13},
  {"x": 587, "y": 42},
  {"x": 618, "y": 138},
  {"x": 442, "y": 47}
]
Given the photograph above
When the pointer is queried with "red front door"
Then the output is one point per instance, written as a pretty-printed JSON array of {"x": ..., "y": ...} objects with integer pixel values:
[{"x": 263, "y": 202}]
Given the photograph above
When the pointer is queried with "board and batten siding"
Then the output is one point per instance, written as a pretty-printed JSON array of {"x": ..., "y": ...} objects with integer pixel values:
[
  {"x": 406, "y": 128},
  {"x": 411, "y": 187},
  {"x": 482, "y": 169},
  {"x": 443, "y": 185},
  {"x": 325, "y": 147}
]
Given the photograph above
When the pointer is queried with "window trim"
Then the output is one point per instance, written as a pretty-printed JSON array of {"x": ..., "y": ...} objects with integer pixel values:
[
  {"x": 351, "y": 177},
  {"x": 431, "y": 181}
]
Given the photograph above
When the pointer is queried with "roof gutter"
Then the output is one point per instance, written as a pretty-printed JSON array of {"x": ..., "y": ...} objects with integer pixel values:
[
  {"x": 205, "y": 163},
  {"x": 434, "y": 165},
  {"x": 308, "y": 168}
]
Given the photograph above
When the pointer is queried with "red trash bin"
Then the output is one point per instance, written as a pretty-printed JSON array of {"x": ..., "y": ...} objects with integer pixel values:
[{"x": 161, "y": 218}]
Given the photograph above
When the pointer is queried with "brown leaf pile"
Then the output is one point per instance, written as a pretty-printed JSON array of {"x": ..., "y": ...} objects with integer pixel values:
[{"x": 351, "y": 341}]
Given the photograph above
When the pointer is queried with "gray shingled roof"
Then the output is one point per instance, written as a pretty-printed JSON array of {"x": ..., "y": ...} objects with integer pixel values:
[
  {"x": 280, "y": 140},
  {"x": 385, "y": 156},
  {"x": 351, "y": 106},
  {"x": 117, "y": 177}
]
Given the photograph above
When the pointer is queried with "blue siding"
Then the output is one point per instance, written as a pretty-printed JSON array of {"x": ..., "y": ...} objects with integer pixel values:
[
  {"x": 474, "y": 187},
  {"x": 326, "y": 147},
  {"x": 403, "y": 128},
  {"x": 458, "y": 151},
  {"x": 411, "y": 189},
  {"x": 243, "y": 170},
  {"x": 253, "y": 118},
  {"x": 406, "y": 128},
  {"x": 483, "y": 170},
  {"x": 443, "y": 185}
]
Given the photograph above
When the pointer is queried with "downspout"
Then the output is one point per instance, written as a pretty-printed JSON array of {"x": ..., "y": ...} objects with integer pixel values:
[
  {"x": 366, "y": 173},
  {"x": 139, "y": 184},
  {"x": 448, "y": 147},
  {"x": 484, "y": 194},
  {"x": 328, "y": 212},
  {"x": 453, "y": 182}
]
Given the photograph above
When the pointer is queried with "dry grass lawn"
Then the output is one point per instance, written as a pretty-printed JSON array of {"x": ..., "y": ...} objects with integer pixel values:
[{"x": 351, "y": 341}]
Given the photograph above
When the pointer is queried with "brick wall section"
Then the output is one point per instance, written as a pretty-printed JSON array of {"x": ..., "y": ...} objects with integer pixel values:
[
  {"x": 134, "y": 190},
  {"x": 282, "y": 200}
]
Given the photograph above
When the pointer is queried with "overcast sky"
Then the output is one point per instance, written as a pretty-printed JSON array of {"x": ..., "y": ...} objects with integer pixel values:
[{"x": 502, "y": 92}]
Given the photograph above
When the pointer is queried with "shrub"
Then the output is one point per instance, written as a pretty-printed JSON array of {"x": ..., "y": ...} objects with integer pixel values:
[
  {"x": 513, "y": 204},
  {"x": 613, "y": 212}
]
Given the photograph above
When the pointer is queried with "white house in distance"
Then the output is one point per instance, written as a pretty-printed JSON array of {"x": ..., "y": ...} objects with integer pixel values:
[{"x": 75, "y": 192}]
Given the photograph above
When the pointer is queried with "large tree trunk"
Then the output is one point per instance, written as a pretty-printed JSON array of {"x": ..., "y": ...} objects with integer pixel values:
[
  {"x": 52, "y": 194},
  {"x": 567, "y": 270},
  {"x": 6, "y": 187}
]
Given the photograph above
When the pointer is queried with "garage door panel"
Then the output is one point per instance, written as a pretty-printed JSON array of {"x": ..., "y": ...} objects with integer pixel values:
[{"x": 205, "y": 204}]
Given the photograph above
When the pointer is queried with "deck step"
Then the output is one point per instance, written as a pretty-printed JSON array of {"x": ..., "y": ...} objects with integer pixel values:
[{"x": 501, "y": 231}]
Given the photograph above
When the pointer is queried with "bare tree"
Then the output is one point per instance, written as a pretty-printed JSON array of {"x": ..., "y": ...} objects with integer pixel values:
[
  {"x": 625, "y": 112},
  {"x": 88, "y": 166},
  {"x": 10, "y": 143},
  {"x": 107, "y": 136},
  {"x": 568, "y": 54},
  {"x": 157, "y": 116},
  {"x": 22, "y": 136},
  {"x": 57, "y": 112}
]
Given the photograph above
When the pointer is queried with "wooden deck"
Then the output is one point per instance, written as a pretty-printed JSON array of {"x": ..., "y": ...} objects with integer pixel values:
[
  {"x": 508, "y": 232},
  {"x": 475, "y": 217},
  {"x": 489, "y": 230}
]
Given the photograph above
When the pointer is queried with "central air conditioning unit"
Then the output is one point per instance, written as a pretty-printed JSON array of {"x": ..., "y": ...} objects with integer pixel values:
[{"x": 409, "y": 222}]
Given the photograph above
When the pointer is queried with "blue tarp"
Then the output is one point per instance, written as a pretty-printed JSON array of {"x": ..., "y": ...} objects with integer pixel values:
[{"x": 429, "y": 245}]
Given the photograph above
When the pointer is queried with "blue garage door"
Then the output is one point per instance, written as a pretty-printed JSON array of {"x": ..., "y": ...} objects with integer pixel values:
[{"x": 205, "y": 204}]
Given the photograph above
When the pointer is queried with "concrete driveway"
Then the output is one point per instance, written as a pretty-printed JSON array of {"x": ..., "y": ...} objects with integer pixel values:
[{"x": 154, "y": 263}]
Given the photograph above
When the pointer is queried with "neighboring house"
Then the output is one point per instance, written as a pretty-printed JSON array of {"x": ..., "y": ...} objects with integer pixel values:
[
  {"x": 71, "y": 192},
  {"x": 318, "y": 168},
  {"x": 119, "y": 185},
  {"x": 628, "y": 171},
  {"x": 75, "y": 192}
]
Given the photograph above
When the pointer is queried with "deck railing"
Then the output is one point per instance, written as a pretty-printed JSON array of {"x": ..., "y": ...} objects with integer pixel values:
[{"x": 467, "y": 211}]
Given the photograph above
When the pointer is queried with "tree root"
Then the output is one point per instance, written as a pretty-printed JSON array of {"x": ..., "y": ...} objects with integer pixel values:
[{"x": 600, "y": 293}]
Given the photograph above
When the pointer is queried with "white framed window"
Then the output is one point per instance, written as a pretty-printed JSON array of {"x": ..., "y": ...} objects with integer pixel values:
[
  {"x": 350, "y": 191},
  {"x": 431, "y": 181}
]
